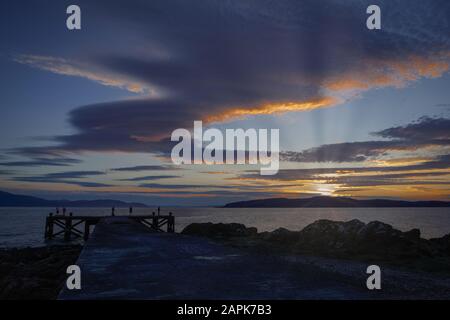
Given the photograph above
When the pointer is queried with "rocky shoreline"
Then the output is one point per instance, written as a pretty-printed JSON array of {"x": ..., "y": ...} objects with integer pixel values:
[
  {"x": 352, "y": 240},
  {"x": 35, "y": 273}
]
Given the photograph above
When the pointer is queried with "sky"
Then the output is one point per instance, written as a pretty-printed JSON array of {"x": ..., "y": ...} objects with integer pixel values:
[{"x": 88, "y": 113}]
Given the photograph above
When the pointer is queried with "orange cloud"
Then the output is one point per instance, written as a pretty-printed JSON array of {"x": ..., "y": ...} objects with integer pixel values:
[
  {"x": 416, "y": 192},
  {"x": 273, "y": 108},
  {"x": 380, "y": 74},
  {"x": 417, "y": 67},
  {"x": 402, "y": 161},
  {"x": 390, "y": 73}
]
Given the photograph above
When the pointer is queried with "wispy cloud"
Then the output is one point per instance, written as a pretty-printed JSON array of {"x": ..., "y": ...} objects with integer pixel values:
[
  {"x": 87, "y": 184},
  {"x": 40, "y": 162},
  {"x": 149, "y": 178},
  {"x": 73, "y": 174},
  {"x": 426, "y": 132},
  {"x": 65, "y": 178},
  {"x": 76, "y": 69},
  {"x": 146, "y": 168},
  {"x": 181, "y": 186}
]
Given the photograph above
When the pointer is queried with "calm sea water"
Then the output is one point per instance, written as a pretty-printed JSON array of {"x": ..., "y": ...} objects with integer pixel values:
[{"x": 20, "y": 227}]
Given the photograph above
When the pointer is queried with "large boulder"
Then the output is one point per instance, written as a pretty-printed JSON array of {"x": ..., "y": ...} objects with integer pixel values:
[
  {"x": 326, "y": 236},
  {"x": 219, "y": 230},
  {"x": 355, "y": 238}
]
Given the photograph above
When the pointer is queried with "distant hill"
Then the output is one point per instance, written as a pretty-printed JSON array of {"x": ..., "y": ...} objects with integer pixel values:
[
  {"x": 333, "y": 202},
  {"x": 16, "y": 200}
]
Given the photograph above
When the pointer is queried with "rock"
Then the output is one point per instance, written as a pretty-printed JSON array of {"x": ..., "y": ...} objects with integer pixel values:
[
  {"x": 372, "y": 242},
  {"x": 379, "y": 230},
  {"x": 443, "y": 244},
  {"x": 353, "y": 239},
  {"x": 325, "y": 236},
  {"x": 219, "y": 230},
  {"x": 35, "y": 273},
  {"x": 356, "y": 239},
  {"x": 280, "y": 236},
  {"x": 413, "y": 234}
]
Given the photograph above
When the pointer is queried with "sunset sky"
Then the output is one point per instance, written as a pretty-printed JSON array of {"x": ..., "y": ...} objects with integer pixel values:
[{"x": 88, "y": 114}]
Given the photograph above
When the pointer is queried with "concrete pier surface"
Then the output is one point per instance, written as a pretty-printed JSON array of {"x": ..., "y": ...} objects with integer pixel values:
[{"x": 125, "y": 260}]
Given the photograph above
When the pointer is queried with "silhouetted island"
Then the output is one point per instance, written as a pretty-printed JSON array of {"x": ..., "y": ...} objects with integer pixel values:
[
  {"x": 333, "y": 202},
  {"x": 15, "y": 200}
]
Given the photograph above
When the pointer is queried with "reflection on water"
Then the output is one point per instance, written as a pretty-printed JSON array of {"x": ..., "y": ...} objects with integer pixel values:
[{"x": 21, "y": 227}]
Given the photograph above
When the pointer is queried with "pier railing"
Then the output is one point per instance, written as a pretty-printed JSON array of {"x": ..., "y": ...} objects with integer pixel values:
[{"x": 78, "y": 227}]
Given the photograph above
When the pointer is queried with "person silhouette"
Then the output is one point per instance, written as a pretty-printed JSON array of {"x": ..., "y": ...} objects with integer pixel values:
[
  {"x": 112, "y": 211},
  {"x": 170, "y": 223}
]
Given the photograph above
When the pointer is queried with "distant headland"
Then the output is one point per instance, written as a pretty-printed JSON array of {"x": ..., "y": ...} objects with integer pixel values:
[
  {"x": 333, "y": 202},
  {"x": 15, "y": 200}
]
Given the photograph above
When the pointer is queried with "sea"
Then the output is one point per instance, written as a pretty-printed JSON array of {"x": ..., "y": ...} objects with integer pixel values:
[{"x": 24, "y": 227}]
